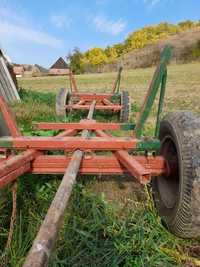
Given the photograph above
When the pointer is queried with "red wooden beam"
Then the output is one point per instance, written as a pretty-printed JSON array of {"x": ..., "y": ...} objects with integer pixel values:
[
  {"x": 97, "y": 107},
  {"x": 133, "y": 166},
  {"x": 11, "y": 176},
  {"x": 92, "y": 96},
  {"x": 45, "y": 164},
  {"x": 70, "y": 132},
  {"x": 81, "y": 102},
  {"x": 69, "y": 143},
  {"x": 107, "y": 102},
  {"x": 16, "y": 161},
  {"x": 90, "y": 125},
  {"x": 97, "y": 164},
  {"x": 101, "y": 133},
  {"x": 137, "y": 169},
  {"x": 9, "y": 120},
  {"x": 12, "y": 167}
]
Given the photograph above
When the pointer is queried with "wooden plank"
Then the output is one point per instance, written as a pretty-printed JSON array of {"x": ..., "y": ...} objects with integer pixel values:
[
  {"x": 12, "y": 87},
  {"x": 69, "y": 143},
  {"x": 5, "y": 81},
  {"x": 45, "y": 240},
  {"x": 5, "y": 92},
  {"x": 8, "y": 89},
  {"x": 92, "y": 125},
  {"x": 2, "y": 87}
]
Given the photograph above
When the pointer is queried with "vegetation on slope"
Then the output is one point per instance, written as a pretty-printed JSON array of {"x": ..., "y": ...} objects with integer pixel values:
[{"x": 96, "y": 56}]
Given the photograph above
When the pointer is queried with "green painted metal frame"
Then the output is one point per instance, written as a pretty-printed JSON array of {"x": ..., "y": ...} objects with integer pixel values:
[
  {"x": 158, "y": 82},
  {"x": 116, "y": 87}
]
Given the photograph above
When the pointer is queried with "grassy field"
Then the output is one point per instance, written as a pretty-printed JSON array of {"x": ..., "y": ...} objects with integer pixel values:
[
  {"x": 182, "y": 93},
  {"x": 182, "y": 87},
  {"x": 109, "y": 222}
]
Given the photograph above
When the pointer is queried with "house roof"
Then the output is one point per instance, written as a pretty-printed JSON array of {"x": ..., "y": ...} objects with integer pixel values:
[
  {"x": 41, "y": 69},
  {"x": 59, "y": 64}
]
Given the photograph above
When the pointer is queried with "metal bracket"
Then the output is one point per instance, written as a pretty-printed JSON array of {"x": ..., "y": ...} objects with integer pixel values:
[
  {"x": 158, "y": 81},
  {"x": 116, "y": 85}
]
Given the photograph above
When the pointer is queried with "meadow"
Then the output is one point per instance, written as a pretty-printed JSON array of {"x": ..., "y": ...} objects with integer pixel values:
[{"x": 110, "y": 221}]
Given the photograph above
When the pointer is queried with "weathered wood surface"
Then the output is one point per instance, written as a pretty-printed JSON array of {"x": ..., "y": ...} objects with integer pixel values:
[
  {"x": 45, "y": 240},
  {"x": 8, "y": 89}
]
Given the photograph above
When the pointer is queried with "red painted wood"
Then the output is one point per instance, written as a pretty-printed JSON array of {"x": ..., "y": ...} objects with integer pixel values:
[
  {"x": 113, "y": 107},
  {"x": 9, "y": 120},
  {"x": 84, "y": 124},
  {"x": 71, "y": 143}
]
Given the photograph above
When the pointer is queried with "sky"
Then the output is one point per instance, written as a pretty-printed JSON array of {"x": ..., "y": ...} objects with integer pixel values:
[{"x": 38, "y": 32}]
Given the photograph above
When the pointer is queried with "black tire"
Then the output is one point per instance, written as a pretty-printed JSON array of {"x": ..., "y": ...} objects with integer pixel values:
[
  {"x": 125, "y": 103},
  {"x": 62, "y": 99},
  {"x": 177, "y": 197}
]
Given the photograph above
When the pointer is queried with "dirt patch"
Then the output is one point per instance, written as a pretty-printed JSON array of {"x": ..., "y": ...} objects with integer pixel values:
[
  {"x": 192, "y": 251},
  {"x": 119, "y": 189}
]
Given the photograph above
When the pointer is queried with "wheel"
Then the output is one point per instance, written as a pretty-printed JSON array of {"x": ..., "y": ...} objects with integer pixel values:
[
  {"x": 125, "y": 103},
  {"x": 177, "y": 197},
  {"x": 62, "y": 99}
]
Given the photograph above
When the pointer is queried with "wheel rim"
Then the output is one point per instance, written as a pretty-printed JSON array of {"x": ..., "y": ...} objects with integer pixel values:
[
  {"x": 169, "y": 186},
  {"x": 123, "y": 104},
  {"x": 67, "y": 102}
]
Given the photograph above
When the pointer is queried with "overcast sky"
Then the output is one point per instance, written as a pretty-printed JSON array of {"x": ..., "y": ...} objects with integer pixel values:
[{"x": 41, "y": 31}]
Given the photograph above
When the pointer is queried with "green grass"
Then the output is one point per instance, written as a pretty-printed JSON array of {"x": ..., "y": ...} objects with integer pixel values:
[
  {"x": 182, "y": 86},
  {"x": 182, "y": 92},
  {"x": 109, "y": 222}
]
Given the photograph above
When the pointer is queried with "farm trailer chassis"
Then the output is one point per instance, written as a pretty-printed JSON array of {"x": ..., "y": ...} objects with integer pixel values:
[
  {"x": 170, "y": 160},
  {"x": 117, "y": 101}
]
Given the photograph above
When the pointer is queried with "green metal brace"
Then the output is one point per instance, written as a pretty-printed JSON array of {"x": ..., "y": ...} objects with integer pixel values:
[
  {"x": 117, "y": 81},
  {"x": 158, "y": 81}
]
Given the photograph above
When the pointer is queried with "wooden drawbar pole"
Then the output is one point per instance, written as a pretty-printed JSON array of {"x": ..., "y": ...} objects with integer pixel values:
[{"x": 44, "y": 242}]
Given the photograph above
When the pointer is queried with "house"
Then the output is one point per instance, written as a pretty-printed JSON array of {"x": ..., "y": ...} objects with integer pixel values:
[
  {"x": 27, "y": 70},
  {"x": 32, "y": 71},
  {"x": 18, "y": 70},
  {"x": 60, "y": 67},
  {"x": 41, "y": 69}
]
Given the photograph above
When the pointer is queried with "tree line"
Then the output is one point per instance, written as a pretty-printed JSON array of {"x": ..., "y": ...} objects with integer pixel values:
[{"x": 78, "y": 61}]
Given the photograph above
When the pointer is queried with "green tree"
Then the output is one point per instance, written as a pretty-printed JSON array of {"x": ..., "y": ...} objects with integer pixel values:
[
  {"x": 119, "y": 48},
  {"x": 148, "y": 35},
  {"x": 137, "y": 39},
  {"x": 187, "y": 24},
  {"x": 75, "y": 61},
  {"x": 111, "y": 53},
  {"x": 95, "y": 56}
]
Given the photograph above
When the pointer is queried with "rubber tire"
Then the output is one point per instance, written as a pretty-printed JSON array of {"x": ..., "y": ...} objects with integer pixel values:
[
  {"x": 183, "y": 217},
  {"x": 125, "y": 103},
  {"x": 62, "y": 99}
]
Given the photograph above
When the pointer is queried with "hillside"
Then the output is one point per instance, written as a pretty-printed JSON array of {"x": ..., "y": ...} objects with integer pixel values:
[
  {"x": 141, "y": 48},
  {"x": 186, "y": 48}
]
